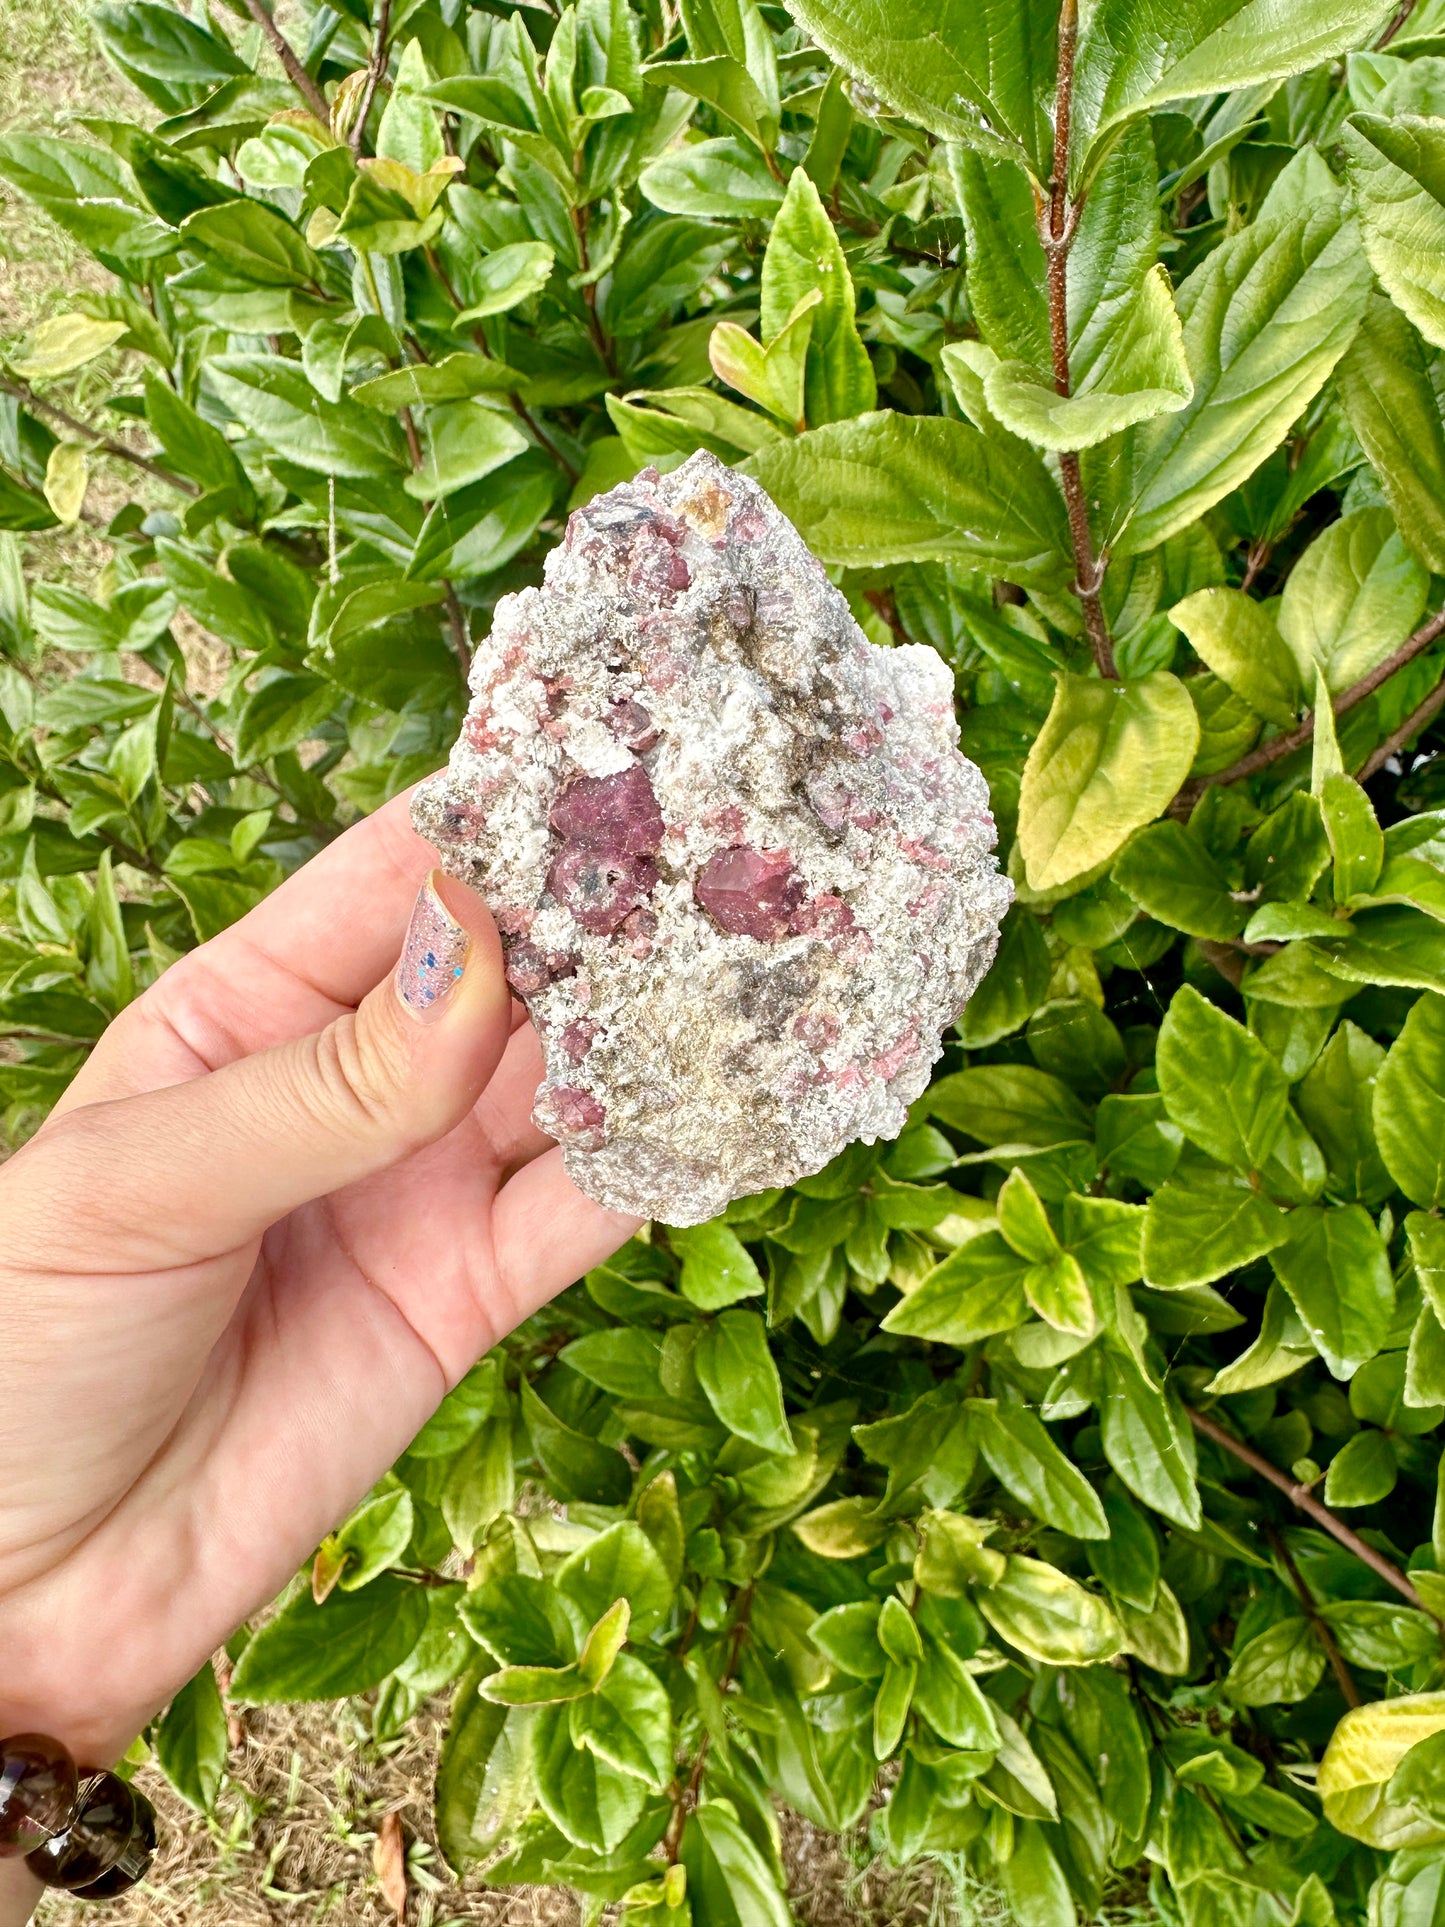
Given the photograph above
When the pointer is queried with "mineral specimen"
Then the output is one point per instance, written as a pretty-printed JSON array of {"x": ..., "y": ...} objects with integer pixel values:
[{"x": 743, "y": 875}]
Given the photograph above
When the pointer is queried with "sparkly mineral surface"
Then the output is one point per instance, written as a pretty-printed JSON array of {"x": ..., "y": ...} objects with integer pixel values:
[{"x": 743, "y": 875}]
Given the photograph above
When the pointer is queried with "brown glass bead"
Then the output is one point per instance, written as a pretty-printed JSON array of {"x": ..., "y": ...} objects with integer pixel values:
[
  {"x": 134, "y": 1864},
  {"x": 100, "y": 1830},
  {"x": 37, "y": 1792}
]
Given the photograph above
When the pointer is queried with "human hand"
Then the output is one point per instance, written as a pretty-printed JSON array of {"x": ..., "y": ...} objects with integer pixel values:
[{"x": 273, "y": 1220}]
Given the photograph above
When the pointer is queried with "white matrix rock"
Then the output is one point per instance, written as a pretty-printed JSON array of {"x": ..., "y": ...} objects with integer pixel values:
[{"x": 742, "y": 871}]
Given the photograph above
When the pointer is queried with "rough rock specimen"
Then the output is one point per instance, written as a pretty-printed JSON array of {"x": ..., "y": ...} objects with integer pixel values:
[{"x": 743, "y": 874}]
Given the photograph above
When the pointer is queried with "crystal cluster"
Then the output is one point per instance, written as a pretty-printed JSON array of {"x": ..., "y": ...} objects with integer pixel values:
[{"x": 743, "y": 875}]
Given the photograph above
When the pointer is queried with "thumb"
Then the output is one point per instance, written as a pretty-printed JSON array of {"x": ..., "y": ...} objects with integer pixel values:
[{"x": 228, "y": 1154}]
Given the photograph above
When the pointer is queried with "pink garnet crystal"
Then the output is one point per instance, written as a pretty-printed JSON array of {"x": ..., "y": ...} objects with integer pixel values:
[
  {"x": 751, "y": 893},
  {"x": 744, "y": 877}
]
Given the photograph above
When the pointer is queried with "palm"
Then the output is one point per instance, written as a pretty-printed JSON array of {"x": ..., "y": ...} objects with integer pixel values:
[{"x": 228, "y": 1412}]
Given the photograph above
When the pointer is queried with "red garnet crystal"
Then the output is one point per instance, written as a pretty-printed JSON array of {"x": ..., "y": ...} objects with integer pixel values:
[
  {"x": 599, "y": 889},
  {"x": 750, "y": 893},
  {"x": 617, "y": 815}
]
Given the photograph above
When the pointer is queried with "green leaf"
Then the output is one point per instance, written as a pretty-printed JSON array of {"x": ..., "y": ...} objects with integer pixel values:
[
  {"x": 464, "y": 440},
  {"x": 1139, "y": 372},
  {"x": 976, "y": 1291},
  {"x": 589, "y": 1800},
  {"x": 311, "y": 1652},
  {"x": 1239, "y": 641},
  {"x": 892, "y": 488},
  {"x": 65, "y": 342},
  {"x": 1385, "y": 383},
  {"x": 471, "y": 1791},
  {"x": 1355, "y": 1780},
  {"x": 254, "y": 243},
  {"x": 1362, "y": 1472},
  {"x": 577, "y": 1466},
  {"x": 1148, "y": 1441},
  {"x": 803, "y": 255},
  {"x": 978, "y": 74},
  {"x": 1108, "y": 759},
  {"x": 1336, "y": 1269},
  {"x": 1171, "y": 874},
  {"x": 1222, "y": 1088},
  {"x": 627, "y": 1723},
  {"x": 1136, "y": 58},
  {"x": 505, "y": 278},
  {"x": 736, "y": 1371},
  {"x": 1205, "y": 1222},
  {"x": 190, "y": 1740},
  {"x": 1336, "y": 1101},
  {"x": 1397, "y": 172},
  {"x": 1008, "y": 1104},
  {"x": 1351, "y": 599},
  {"x": 620, "y": 1563},
  {"x": 717, "y": 1267},
  {"x": 727, "y": 179},
  {"x": 1409, "y": 1106},
  {"x": 1277, "y": 1667},
  {"x": 1049, "y": 1617},
  {"x": 1266, "y": 316},
  {"x": 375, "y": 1536},
  {"x": 1024, "y": 1458},
  {"x": 274, "y": 400}
]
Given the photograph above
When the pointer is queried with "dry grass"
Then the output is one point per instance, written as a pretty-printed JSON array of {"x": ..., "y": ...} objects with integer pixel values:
[{"x": 296, "y": 1824}]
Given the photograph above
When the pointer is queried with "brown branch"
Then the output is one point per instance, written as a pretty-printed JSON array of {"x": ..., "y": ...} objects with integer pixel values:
[
  {"x": 1057, "y": 236},
  {"x": 23, "y": 392},
  {"x": 373, "y": 73},
  {"x": 589, "y": 294},
  {"x": 519, "y": 407},
  {"x": 1301, "y": 1496},
  {"x": 881, "y": 602},
  {"x": 1412, "y": 725},
  {"x": 1343, "y": 1676},
  {"x": 1397, "y": 20},
  {"x": 287, "y": 55},
  {"x": 1289, "y": 740},
  {"x": 687, "y": 1796}
]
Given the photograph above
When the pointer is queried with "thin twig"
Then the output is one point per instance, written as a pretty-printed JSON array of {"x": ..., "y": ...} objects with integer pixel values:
[
  {"x": 687, "y": 1796},
  {"x": 23, "y": 392},
  {"x": 290, "y": 60},
  {"x": 373, "y": 73},
  {"x": 1057, "y": 237},
  {"x": 1301, "y": 1496},
  {"x": 589, "y": 293},
  {"x": 1397, "y": 20},
  {"x": 519, "y": 407},
  {"x": 1343, "y": 1676},
  {"x": 1289, "y": 740},
  {"x": 1412, "y": 725}
]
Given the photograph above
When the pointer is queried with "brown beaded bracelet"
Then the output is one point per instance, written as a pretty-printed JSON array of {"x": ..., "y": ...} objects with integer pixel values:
[{"x": 81, "y": 1829}]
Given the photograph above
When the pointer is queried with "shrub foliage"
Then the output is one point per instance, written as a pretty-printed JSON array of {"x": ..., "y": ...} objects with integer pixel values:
[{"x": 1058, "y": 1486}]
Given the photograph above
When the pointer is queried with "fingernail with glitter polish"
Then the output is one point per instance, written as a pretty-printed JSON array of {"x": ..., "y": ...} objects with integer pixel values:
[{"x": 433, "y": 956}]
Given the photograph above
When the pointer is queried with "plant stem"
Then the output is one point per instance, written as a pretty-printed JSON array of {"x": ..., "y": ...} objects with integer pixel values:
[
  {"x": 589, "y": 294},
  {"x": 287, "y": 55},
  {"x": 1341, "y": 1671},
  {"x": 687, "y": 1795},
  {"x": 1290, "y": 740},
  {"x": 1057, "y": 236},
  {"x": 374, "y": 72},
  {"x": 1301, "y": 1496},
  {"x": 1412, "y": 725},
  {"x": 1397, "y": 20},
  {"x": 23, "y": 392},
  {"x": 461, "y": 641},
  {"x": 519, "y": 407}
]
